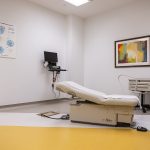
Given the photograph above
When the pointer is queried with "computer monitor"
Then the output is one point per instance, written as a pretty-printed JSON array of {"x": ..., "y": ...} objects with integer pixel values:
[{"x": 50, "y": 57}]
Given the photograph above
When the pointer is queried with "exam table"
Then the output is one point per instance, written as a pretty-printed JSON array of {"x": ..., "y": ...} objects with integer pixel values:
[{"x": 97, "y": 107}]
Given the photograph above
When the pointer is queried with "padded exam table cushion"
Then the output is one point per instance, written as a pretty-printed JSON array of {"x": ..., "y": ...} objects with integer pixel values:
[{"x": 84, "y": 93}]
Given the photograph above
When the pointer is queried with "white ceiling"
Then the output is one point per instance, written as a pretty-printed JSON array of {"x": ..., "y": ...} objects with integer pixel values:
[{"x": 86, "y": 10}]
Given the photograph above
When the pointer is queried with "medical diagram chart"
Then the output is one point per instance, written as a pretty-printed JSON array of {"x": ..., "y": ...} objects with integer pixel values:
[{"x": 7, "y": 41}]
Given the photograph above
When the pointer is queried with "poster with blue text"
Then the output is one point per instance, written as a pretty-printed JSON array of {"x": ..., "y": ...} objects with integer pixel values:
[{"x": 7, "y": 41}]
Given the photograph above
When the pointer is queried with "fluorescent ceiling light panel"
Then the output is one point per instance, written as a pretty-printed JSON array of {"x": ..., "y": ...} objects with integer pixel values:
[{"x": 77, "y": 2}]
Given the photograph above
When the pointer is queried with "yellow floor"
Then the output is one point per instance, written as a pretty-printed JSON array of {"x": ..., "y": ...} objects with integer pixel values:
[{"x": 41, "y": 138}]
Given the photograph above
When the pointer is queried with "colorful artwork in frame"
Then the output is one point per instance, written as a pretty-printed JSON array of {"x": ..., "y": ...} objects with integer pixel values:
[{"x": 132, "y": 52}]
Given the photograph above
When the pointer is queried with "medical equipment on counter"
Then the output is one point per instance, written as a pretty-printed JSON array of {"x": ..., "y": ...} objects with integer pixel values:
[{"x": 141, "y": 85}]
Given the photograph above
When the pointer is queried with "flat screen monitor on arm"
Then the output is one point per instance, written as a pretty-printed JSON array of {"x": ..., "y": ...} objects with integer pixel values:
[{"x": 51, "y": 57}]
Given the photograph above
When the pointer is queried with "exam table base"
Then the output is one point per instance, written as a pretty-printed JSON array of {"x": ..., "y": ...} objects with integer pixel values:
[{"x": 102, "y": 114}]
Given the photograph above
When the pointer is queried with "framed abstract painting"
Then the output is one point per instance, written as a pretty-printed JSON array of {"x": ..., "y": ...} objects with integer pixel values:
[{"x": 134, "y": 52}]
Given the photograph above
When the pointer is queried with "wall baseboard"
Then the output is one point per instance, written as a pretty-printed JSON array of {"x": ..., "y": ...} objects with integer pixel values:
[{"x": 36, "y": 102}]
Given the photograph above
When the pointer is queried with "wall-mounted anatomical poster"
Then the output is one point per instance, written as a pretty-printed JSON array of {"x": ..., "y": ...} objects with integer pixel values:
[{"x": 7, "y": 41}]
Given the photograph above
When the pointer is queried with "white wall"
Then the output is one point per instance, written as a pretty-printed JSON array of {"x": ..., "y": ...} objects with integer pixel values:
[
  {"x": 75, "y": 49},
  {"x": 100, "y": 33},
  {"x": 24, "y": 79}
]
